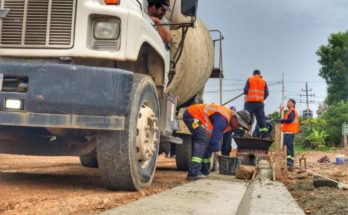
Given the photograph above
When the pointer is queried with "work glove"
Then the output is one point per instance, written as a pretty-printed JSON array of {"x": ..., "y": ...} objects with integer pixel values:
[{"x": 278, "y": 120}]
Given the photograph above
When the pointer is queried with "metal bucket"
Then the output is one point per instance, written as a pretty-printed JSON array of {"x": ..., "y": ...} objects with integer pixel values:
[{"x": 229, "y": 165}]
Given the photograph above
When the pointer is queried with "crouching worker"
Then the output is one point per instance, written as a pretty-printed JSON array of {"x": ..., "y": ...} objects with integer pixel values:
[{"x": 207, "y": 123}]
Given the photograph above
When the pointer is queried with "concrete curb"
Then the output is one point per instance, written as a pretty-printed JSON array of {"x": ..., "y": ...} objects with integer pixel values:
[
  {"x": 266, "y": 197},
  {"x": 217, "y": 195},
  {"x": 204, "y": 197}
]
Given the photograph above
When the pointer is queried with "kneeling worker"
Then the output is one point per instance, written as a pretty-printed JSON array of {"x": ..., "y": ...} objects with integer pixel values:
[{"x": 207, "y": 123}]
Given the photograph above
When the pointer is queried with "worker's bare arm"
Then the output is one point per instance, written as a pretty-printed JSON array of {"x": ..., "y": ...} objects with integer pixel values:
[{"x": 162, "y": 30}]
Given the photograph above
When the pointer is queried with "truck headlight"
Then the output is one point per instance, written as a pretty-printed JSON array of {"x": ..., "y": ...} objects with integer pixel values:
[
  {"x": 106, "y": 29},
  {"x": 15, "y": 104}
]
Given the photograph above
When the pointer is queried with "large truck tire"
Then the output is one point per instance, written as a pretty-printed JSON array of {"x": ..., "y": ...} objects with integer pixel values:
[
  {"x": 127, "y": 159},
  {"x": 184, "y": 152}
]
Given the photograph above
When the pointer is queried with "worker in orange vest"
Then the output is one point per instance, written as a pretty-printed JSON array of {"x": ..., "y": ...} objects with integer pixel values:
[
  {"x": 207, "y": 123},
  {"x": 290, "y": 127},
  {"x": 256, "y": 91}
]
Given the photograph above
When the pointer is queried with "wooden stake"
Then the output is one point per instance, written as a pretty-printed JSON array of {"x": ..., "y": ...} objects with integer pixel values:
[
  {"x": 278, "y": 153},
  {"x": 285, "y": 164}
]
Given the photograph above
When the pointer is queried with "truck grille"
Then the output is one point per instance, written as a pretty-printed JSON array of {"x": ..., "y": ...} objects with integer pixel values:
[{"x": 38, "y": 24}]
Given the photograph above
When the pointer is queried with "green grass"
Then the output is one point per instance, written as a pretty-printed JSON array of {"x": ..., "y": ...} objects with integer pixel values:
[{"x": 299, "y": 148}]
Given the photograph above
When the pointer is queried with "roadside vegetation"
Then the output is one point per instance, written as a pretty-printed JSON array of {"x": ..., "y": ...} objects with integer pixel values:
[{"x": 325, "y": 131}]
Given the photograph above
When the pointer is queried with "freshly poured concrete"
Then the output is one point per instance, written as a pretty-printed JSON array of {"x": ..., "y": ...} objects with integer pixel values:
[
  {"x": 266, "y": 197},
  {"x": 204, "y": 197},
  {"x": 217, "y": 195}
]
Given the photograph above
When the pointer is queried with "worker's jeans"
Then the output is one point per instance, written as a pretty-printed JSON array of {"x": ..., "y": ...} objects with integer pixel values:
[
  {"x": 200, "y": 151},
  {"x": 257, "y": 109},
  {"x": 288, "y": 140}
]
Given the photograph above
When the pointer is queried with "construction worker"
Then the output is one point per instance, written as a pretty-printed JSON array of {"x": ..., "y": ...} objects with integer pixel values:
[
  {"x": 227, "y": 142},
  {"x": 256, "y": 91},
  {"x": 207, "y": 123},
  {"x": 157, "y": 9},
  {"x": 290, "y": 127},
  {"x": 268, "y": 123}
]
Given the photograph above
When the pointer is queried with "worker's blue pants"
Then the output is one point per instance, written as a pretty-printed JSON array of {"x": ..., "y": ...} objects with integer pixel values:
[
  {"x": 256, "y": 109},
  {"x": 288, "y": 140},
  {"x": 226, "y": 149},
  {"x": 200, "y": 151}
]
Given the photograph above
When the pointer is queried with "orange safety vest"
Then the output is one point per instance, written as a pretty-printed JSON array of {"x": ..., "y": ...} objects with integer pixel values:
[
  {"x": 256, "y": 92},
  {"x": 202, "y": 112},
  {"x": 294, "y": 126}
]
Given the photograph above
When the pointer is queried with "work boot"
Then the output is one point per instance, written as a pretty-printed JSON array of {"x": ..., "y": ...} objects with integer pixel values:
[
  {"x": 195, "y": 177},
  {"x": 264, "y": 134},
  {"x": 205, "y": 169},
  {"x": 290, "y": 168}
]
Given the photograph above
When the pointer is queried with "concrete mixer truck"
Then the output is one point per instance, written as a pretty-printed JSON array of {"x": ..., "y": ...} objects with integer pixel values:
[{"x": 92, "y": 78}]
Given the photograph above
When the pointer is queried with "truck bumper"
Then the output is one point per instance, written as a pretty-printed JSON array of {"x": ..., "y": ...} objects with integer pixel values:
[
  {"x": 62, "y": 121},
  {"x": 66, "y": 96}
]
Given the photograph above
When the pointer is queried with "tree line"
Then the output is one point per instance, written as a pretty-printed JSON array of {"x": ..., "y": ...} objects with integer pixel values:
[{"x": 326, "y": 129}]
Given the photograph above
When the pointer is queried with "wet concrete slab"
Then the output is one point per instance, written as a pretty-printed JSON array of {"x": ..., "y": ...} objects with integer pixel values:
[
  {"x": 266, "y": 197},
  {"x": 218, "y": 195}
]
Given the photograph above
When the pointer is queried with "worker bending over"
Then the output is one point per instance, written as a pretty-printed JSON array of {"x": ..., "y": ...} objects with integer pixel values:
[
  {"x": 207, "y": 123},
  {"x": 290, "y": 127},
  {"x": 226, "y": 146},
  {"x": 256, "y": 91}
]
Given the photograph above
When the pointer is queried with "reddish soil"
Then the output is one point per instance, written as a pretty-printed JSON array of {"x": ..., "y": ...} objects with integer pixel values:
[
  {"x": 59, "y": 185},
  {"x": 322, "y": 200}
]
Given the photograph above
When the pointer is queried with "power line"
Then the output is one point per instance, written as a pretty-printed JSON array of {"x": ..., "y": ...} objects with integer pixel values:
[
  {"x": 228, "y": 85},
  {"x": 293, "y": 92}
]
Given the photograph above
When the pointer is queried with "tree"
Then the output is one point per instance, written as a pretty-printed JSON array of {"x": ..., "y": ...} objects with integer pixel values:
[
  {"x": 313, "y": 133},
  {"x": 335, "y": 116},
  {"x": 321, "y": 109},
  {"x": 333, "y": 58},
  {"x": 273, "y": 115}
]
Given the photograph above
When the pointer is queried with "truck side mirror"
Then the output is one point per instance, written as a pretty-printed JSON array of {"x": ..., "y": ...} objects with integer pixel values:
[{"x": 189, "y": 7}]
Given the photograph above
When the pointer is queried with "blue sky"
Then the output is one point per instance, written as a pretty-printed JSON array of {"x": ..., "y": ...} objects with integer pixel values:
[{"x": 276, "y": 37}]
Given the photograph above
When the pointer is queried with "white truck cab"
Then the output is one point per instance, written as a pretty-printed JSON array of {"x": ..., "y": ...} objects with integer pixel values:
[{"x": 91, "y": 78}]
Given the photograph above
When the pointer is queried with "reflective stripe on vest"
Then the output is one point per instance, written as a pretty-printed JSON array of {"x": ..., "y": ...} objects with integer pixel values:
[
  {"x": 202, "y": 112},
  {"x": 293, "y": 127},
  {"x": 256, "y": 90}
]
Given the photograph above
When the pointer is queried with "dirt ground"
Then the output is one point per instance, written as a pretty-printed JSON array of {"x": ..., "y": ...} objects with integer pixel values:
[
  {"x": 322, "y": 200},
  {"x": 59, "y": 185}
]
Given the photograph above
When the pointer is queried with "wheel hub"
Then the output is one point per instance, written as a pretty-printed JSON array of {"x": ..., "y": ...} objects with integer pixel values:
[{"x": 147, "y": 132}]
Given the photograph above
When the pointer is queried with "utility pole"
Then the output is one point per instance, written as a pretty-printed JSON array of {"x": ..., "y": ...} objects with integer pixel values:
[
  {"x": 282, "y": 109},
  {"x": 307, "y": 96},
  {"x": 283, "y": 93}
]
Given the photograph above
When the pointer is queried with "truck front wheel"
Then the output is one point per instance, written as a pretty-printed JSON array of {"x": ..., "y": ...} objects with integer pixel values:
[{"x": 127, "y": 159}]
